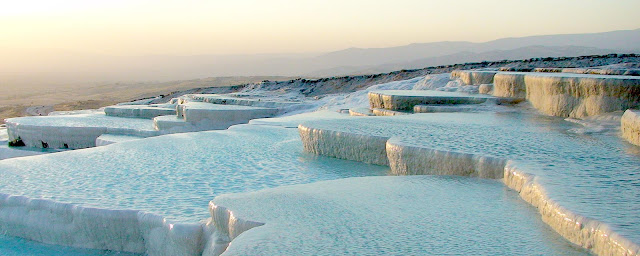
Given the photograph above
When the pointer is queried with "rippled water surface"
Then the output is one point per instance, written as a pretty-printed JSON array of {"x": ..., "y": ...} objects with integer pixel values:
[
  {"x": 406, "y": 215},
  {"x": 175, "y": 176},
  {"x": 595, "y": 175},
  {"x": 11, "y": 246}
]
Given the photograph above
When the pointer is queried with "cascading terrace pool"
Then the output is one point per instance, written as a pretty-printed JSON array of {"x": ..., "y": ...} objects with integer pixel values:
[{"x": 277, "y": 186}]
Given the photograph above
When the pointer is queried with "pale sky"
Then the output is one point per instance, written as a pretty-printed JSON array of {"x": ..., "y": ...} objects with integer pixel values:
[{"x": 192, "y": 27}]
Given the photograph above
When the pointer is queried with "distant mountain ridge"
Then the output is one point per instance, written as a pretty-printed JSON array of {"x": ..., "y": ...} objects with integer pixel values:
[
  {"x": 360, "y": 56},
  {"x": 622, "y": 41},
  {"x": 79, "y": 68},
  {"x": 468, "y": 56}
]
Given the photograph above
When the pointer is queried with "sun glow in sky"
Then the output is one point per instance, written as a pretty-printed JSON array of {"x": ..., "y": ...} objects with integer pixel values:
[{"x": 191, "y": 27}]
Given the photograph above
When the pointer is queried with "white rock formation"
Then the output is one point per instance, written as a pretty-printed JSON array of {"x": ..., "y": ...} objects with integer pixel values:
[
  {"x": 561, "y": 94},
  {"x": 406, "y": 100},
  {"x": 432, "y": 82},
  {"x": 509, "y": 85},
  {"x": 141, "y": 111},
  {"x": 474, "y": 77},
  {"x": 485, "y": 89},
  {"x": 381, "y": 215},
  {"x": 386, "y": 112},
  {"x": 409, "y": 153},
  {"x": 174, "y": 124},
  {"x": 118, "y": 230},
  {"x": 197, "y": 112},
  {"x": 585, "y": 232},
  {"x": 441, "y": 108},
  {"x": 108, "y": 139},
  {"x": 136, "y": 231},
  {"x": 570, "y": 95},
  {"x": 361, "y": 112},
  {"x": 630, "y": 125},
  {"x": 169, "y": 178},
  {"x": 199, "y": 116},
  {"x": 370, "y": 149},
  {"x": 74, "y": 131},
  {"x": 412, "y": 160},
  {"x": 282, "y": 106},
  {"x": 223, "y": 227}
]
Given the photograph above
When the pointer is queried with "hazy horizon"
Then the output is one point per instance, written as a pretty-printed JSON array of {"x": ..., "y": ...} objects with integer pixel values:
[
  {"x": 284, "y": 54},
  {"x": 55, "y": 42},
  {"x": 194, "y": 27}
]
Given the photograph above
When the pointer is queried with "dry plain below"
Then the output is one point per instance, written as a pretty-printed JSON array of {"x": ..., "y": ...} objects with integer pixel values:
[{"x": 22, "y": 99}]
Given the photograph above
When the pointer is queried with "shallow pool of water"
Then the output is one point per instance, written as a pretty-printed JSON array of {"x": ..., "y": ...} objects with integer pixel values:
[
  {"x": 12, "y": 246},
  {"x": 175, "y": 176},
  {"x": 595, "y": 175},
  {"x": 406, "y": 215}
]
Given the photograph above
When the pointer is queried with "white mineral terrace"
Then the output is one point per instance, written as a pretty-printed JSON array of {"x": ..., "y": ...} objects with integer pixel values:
[
  {"x": 406, "y": 100},
  {"x": 361, "y": 112},
  {"x": 74, "y": 131},
  {"x": 386, "y": 112},
  {"x": 273, "y": 195},
  {"x": 573, "y": 186},
  {"x": 474, "y": 77},
  {"x": 485, "y": 89},
  {"x": 568, "y": 95},
  {"x": 315, "y": 215},
  {"x": 85, "y": 198},
  {"x": 82, "y": 131},
  {"x": 630, "y": 125},
  {"x": 443, "y": 108},
  {"x": 108, "y": 139},
  {"x": 175, "y": 124},
  {"x": 195, "y": 112},
  {"x": 7, "y": 152},
  {"x": 283, "y": 106},
  {"x": 385, "y": 216},
  {"x": 571, "y": 95},
  {"x": 141, "y": 111}
]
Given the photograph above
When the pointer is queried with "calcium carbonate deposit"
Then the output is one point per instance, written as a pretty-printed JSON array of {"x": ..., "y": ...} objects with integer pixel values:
[
  {"x": 567, "y": 95},
  {"x": 541, "y": 166},
  {"x": 631, "y": 126},
  {"x": 188, "y": 170},
  {"x": 73, "y": 131},
  {"x": 420, "y": 215},
  {"x": 575, "y": 170},
  {"x": 141, "y": 111}
]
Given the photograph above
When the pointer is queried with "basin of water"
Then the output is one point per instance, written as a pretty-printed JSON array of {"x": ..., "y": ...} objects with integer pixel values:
[
  {"x": 405, "y": 215},
  {"x": 594, "y": 175},
  {"x": 175, "y": 176}
]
